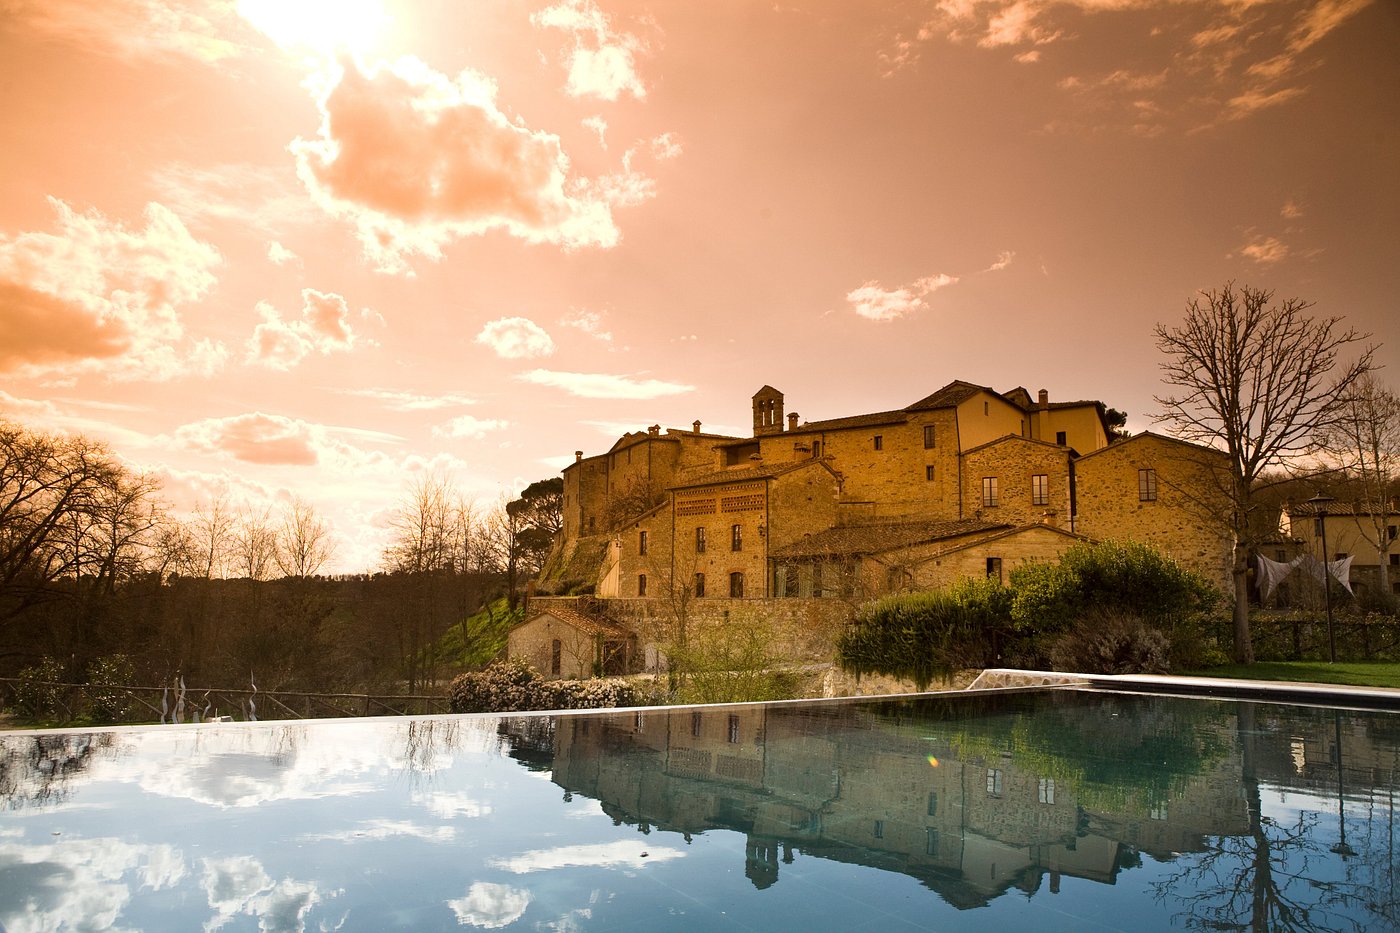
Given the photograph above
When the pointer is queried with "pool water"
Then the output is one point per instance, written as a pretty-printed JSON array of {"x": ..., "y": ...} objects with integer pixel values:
[{"x": 1054, "y": 810}]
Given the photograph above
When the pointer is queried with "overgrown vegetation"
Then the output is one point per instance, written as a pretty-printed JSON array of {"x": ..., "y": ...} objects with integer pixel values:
[
  {"x": 731, "y": 663},
  {"x": 1103, "y": 608},
  {"x": 514, "y": 686}
]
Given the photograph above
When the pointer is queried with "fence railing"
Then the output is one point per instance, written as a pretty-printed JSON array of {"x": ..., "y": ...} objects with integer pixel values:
[{"x": 125, "y": 703}]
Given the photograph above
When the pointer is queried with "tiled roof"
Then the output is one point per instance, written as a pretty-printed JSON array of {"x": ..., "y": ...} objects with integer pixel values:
[
  {"x": 590, "y": 625},
  {"x": 950, "y": 396},
  {"x": 854, "y": 421},
  {"x": 1337, "y": 508},
  {"x": 850, "y": 540},
  {"x": 744, "y": 474}
]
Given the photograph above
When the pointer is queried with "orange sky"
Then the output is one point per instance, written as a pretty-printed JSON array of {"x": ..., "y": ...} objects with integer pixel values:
[{"x": 268, "y": 248}]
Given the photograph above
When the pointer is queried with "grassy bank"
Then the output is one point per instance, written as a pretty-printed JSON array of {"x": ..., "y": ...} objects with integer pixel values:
[{"x": 1356, "y": 674}]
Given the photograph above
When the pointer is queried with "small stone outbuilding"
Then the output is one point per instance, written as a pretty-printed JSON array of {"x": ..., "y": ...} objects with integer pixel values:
[{"x": 566, "y": 643}]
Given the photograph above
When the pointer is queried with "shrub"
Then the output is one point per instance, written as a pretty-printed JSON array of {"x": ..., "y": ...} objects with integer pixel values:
[
  {"x": 934, "y": 633},
  {"x": 108, "y": 706},
  {"x": 514, "y": 686},
  {"x": 37, "y": 695},
  {"x": 1106, "y": 641}
]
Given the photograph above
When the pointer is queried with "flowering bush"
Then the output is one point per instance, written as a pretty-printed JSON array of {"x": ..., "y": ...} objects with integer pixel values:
[{"x": 514, "y": 686}]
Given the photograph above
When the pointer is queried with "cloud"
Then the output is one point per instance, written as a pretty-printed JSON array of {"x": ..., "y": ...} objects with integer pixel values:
[
  {"x": 602, "y": 62},
  {"x": 278, "y": 254},
  {"x": 266, "y": 198},
  {"x": 411, "y": 401},
  {"x": 1291, "y": 210},
  {"x": 490, "y": 905},
  {"x": 240, "y": 885},
  {"x": 666, "y": 146},
  {"x": 78, "y": 883},
  {"x": 604, "y": 385},
  {"x": 467, "y": 426},
  {"x": 598, "y": 125},
  {"x": 1222, "y": 59},
  {"x": 625, "y": 853},
  {"x": 99, "y": 296},
  {"x": 516, "y": 338},
  {"x": 590, "y": 322},
  {"x": 416, "y": 160},
  {"x": 265, "y": 439},
  {"x": 1265, "y": 250},
  {"x": 876, "y": 303},
  {"x": 323, "y": 328},
  {"x": 1002, "y": 261},
  {"x": 136, "y": 29},
  {"x": 387, "y": 829}
]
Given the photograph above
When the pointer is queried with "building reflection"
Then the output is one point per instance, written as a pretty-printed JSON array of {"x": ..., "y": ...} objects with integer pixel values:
[{"x": 971, "y": 807}]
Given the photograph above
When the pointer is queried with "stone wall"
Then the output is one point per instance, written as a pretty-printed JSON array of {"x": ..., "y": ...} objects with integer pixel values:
[
  {"x": 1186, "y": 521},
  {"x": 1013, "y": 461},
  {"x": 804, "y": 630}
]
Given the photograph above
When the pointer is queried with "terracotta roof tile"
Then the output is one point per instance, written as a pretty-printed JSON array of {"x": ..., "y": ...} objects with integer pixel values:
[{"x": 851, "y": 540}]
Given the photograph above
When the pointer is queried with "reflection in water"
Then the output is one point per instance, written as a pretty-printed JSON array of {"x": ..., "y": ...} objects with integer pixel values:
[
  {"x": 1021, "y": 798},
  {"x": 925, "y": 811}
]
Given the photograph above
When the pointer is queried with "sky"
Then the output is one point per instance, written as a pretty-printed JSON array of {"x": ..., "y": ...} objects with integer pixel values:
[{"x": 269, "y": 249}]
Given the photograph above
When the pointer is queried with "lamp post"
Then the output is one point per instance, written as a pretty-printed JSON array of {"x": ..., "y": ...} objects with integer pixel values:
[{"x": 1320, "y": 502}]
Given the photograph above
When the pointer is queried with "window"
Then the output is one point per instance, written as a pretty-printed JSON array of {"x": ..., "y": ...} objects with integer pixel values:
[
  {"x": 556, "y": 657},
  {"x": 879, "y": 442},
  {"x": 1147, "y": 485},
  {"x": 641, "y": 584},
  {"x": 642, "y": 543},
  {"x": 1040, "y": 489},
  {"x": 699, "y": 584},
  {"x": 1391, "y": 530},
  {"x": 1045, "y": 793},
  {"x": 931, "y": 841},
  {"x": 1339, "y": 555},
  {"x": 986, "y": 408},
  {"x": 933, "y": 803},
  {"x": 1060, "y": 438},
  {"x": 736, "y": 538},
  {"x": 994, "y": 776},
  {"x": 990, "y": 499},
  {"x": 994, "y": 568},
  {"x": 639, "y": 722},
  {"x": 733, "y": 729},
  {"x": 879, "y": 829},
  {"x": 928, "y": 472},
  {"x": 816, "y": 449},
  {"x": 695, "y": 725},
  {"x": 1158, "y": 810},
  {"x": 1395, "y": 560},
  {"x": 928, "y": 436},
  {"x": 699, "y": 540},
  {"x": 736, "y": 584}
]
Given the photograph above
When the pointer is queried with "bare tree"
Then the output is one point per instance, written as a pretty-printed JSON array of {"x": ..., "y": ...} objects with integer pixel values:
[
  {"x": 425, "y": 528},
  {"x": 304, "y": 541},
  {"x": 1365, "y": 441},
  {"x": 254, "y": 545},
  {"x": 1260, "y": 381},
  {"x": 213, "y": 530}
]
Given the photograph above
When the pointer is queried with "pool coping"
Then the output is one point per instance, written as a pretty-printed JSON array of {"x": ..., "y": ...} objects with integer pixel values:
[{"x": 1286, "y": 691}]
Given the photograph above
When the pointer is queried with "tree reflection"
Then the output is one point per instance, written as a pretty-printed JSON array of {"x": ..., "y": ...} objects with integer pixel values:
[
  {"x": 1277, "y": 876},
  {"x": 37, "y": 770}
]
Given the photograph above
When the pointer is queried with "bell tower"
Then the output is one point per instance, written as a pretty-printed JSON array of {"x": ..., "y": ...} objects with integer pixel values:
[{"x": 767, "y": 411}]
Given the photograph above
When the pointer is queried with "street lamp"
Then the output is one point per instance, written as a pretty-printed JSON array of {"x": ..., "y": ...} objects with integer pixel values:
[{"x": 1319, "y": 503}]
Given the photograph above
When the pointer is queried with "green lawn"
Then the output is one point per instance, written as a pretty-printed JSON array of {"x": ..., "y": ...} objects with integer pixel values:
[{"x": 1374, "y": 674}]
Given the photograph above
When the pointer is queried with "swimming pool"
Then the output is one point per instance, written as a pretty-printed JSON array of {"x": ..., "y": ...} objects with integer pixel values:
[{"x": 1060, "y": 809}]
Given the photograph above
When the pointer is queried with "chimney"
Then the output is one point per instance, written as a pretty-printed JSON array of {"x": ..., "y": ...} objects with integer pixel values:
[
  {"x": 654, "y": 430},
  {"x": 792, "y": 421},
  {"x": 695, "y": 426},
  {"x": 1044, "y": 399}
]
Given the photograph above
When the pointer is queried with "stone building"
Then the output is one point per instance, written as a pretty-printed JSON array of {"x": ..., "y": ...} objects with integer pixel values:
[
  {"x": 1351, "y": 532},
  {"x": 965, "y": 481}
]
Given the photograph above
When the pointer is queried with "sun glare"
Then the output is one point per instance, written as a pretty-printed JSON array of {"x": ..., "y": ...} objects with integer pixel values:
[{"x": 327, "y": 27}]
